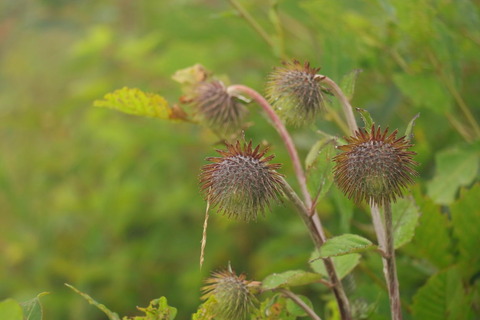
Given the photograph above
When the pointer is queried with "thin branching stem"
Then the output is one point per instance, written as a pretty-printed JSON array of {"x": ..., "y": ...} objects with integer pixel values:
[
  {"x": 319, "y": 240},
  {"x": 389, "y": 266},
  {"x": 305, "y": 209},
  {"x": 384, "y": 231},
  {"x": 282, "y": 131},
  {"x": 378, "y": 226},
  {"x": 456, "y": 95},
  {"x": 292, "y": 296},
  {"x": 338, "y": 120},
  {"x": 252, "y": 22},
  {"x": 461, "y": 129},
  {"x": 347, "y": 108}
]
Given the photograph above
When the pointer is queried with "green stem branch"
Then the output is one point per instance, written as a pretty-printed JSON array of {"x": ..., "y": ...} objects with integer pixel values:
[
  {"x": 456, "y": 95},
  {"x": 347, "y": 107},
  {"x": 300, "y": 303},
  {"x": 384, "y": 231},
  {"x": 390, "y": 268},
  {"x": 319, "y": 239},
  {"x": 246, "y": 15}
]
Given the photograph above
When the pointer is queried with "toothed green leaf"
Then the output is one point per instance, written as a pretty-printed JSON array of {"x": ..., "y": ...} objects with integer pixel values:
[
  {"x": 344, "y": 244},
  {"x": 343, "y": 264},
  {"x": 289, "y": 278}
]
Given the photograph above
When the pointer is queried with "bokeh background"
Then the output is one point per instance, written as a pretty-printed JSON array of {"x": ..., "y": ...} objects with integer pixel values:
[{"x": 110, "y": 203}]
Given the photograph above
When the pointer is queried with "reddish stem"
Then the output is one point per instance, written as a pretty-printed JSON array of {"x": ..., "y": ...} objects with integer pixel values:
[
  {"x": 282, "y": 131},
  {"x": 312, "y": 221}
]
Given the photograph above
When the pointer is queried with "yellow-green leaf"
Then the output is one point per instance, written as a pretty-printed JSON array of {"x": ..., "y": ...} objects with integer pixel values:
[
  {"x": 11, "y": 310},
  {"x": 136, "y": 102},
  {"x": 191, "y": 75}
]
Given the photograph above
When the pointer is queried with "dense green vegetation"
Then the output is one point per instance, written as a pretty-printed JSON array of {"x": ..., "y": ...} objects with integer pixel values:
[{"x": 110, "y": 203}]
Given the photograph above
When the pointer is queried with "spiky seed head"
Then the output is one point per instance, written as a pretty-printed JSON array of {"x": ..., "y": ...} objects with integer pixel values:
[
  {"x": 241, "y": 183},
  {"x": 374, "y": 166},
  {"x": 294, "y": 91},
  {"x": 219, "y": 109},
  {"x": 233, "y": 297}
]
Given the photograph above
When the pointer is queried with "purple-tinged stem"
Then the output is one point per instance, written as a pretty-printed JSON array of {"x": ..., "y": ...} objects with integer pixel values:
[
  {"x": 282, "y": 131},
  {"x": 312, "y": 221}
]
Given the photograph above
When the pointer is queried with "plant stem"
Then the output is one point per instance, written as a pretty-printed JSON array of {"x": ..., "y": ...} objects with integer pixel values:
[
  {"x": 282, "y": 131},
  {"x": 244, "y": 14},
  {"x": 456, "y": 95},
  {"x": 384, "y": 232},
  {"x": 462, "y": 130},
  {"x": 305, "y": 210},
  {"x": 347, "y": 108},
  {"x": 378, "y": 226},
  {"x": 339, "y": 121},
  {"x": 304, "y": 213},
  {"x": 204, "y": 234},
  {"x": 389, "y": 267},
  {"x": 300, "y": 303},
  {"x": 319, "y": 239}
]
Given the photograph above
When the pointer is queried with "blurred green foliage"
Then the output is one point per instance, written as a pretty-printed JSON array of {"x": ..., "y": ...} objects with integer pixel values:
[{"x": 110, "y": 203}]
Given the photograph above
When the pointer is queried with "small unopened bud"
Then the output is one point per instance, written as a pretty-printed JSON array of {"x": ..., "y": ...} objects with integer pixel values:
[
  {"x": 220, "y": 110},
  {"x": 375, "y": 166},
  {"x": 233, "y": 297},
  {"x": 241, "y": 183},
  {"x": 294, "y": 91}
]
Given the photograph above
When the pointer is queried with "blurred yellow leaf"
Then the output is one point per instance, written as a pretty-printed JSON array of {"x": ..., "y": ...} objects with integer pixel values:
[
  {"x": 136, "y": 102},
  {"x": 191, "y": 75}
]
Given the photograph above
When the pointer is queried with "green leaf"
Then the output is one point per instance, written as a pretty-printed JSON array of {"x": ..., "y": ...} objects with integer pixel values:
[
  {"x": 344, "y": 208},
  {"x": 319, "y": 167},
  {"x": 32, "y": 309},
  {"x": 206, "y": 311},
  {"x": 366, "y": 117},
  {"x": 295, "y": 310},
  {"x": 274, "y": 308},
  {"x": 10, "y": 310},
  {"x": 442, "y": 298},
  {"x": 424, "y": 91},
  {"x": 332, "y": 311},
  {"x": 157, "y": 310},
  {"x": 405, "y": 219},
  {"x": 289, "y": 278},
  {"x": 455, "y": 168},
  {"x": 466, "y": 221},
  {"x": 432, "y": 239},
  {"x": 111, "y": 315},
  {"x": 343, "y": 264},
  {"x": 344, "y": 244},
  {"x": 347, "y": 84},
  {"x": 136, "y": 102},
  {"x": 411, "y": 124}
]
